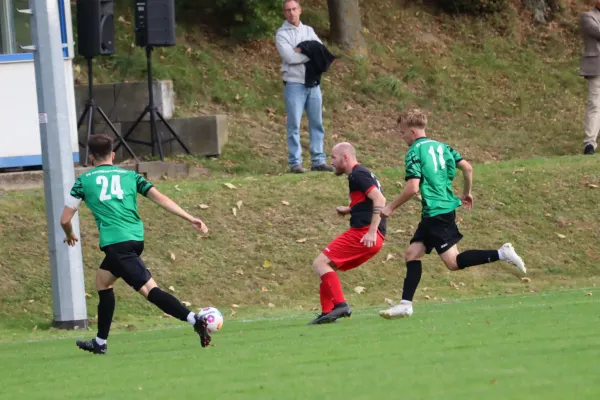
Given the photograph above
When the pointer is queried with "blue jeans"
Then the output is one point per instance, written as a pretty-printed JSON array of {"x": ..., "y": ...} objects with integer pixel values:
[{"x": 297, "y": 99}]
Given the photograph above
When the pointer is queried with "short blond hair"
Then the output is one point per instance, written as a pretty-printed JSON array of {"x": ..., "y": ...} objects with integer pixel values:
[{"x": 413, "y": 118}]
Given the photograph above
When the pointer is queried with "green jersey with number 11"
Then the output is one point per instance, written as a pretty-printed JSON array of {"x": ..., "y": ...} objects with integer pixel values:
[
  {"x": 110, "y": 193},
  {"x": 434, "y": 164}
]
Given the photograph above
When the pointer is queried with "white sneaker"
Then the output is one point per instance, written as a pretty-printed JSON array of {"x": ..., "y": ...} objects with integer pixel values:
[
  {"x": 510, "y": 255},
  {"x": 402, "y": 310}
]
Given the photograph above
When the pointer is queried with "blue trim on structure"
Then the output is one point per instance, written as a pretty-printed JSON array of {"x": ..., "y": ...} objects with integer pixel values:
[
  {"x": 63, "y": 26},
  {"x": 26, "y": 161},
  {"x": 8, "y": 58}
]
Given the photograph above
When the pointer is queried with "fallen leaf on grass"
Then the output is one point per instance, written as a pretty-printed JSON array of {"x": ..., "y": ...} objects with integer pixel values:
[
  {"x": 271, "y": 305},
  {"x": 267, "y": 264},
  {"x": 285, "y": 203},
  {"x": 172, "y": 255},
  {"x": 560, "y": 235},
  {"x": 203, "y": 206},
  {"x": 171, "y": 288},
  {"x": 359, "y": 289},
  {"x": 301, "y": 240},
  {"x": 186, "y": 303},
  {"x": 230, "y": 185},
  {"x": 239, "y": 204}
]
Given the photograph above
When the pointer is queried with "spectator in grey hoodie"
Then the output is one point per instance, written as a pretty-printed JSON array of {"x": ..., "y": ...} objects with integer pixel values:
[{"x": 298, "y": 97}]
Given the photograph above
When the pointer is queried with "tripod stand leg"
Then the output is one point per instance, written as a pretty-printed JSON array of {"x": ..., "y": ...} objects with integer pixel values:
[
  {"x": 83, "y": 114},
  {"x": 155, "y": 135},
  {"x": 172, "y": 132},
  {"x": 130, "y": 131},
  {"x": 91, "y": 108},
  {"x": 112, "y": 128}
]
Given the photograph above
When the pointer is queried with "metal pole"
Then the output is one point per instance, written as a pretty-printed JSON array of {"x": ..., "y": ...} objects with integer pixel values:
[{"x": 68, "y": 291}]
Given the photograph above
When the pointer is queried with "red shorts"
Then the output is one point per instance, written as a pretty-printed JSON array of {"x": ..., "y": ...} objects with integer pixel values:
[{"x": 347, "y": 252}]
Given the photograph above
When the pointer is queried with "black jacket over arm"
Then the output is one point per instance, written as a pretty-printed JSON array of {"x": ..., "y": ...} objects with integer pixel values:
[{"x": 320, "y": 61}]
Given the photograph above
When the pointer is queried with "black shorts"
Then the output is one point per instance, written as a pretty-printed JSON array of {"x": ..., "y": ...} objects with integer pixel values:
[
  {"x": 439, "y": 232},
  {"x": 123, "y": 261}
]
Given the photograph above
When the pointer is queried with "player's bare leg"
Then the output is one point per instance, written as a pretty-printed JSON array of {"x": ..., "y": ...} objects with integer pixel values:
[
  {"x": 106, "y": 308},
  {"x": 414, "y": 269},
  {"x": 333, "y": 303}
]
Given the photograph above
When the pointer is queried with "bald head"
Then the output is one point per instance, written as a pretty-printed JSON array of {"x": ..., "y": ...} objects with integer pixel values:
[
  {"x": 343, "y": 157},
  {"x": 345, "y": 148}
]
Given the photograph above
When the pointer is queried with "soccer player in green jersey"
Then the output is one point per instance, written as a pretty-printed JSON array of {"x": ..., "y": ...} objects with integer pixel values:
[
  {"x": 110, "y": 193},
  {"x": 431, "y": 168}
]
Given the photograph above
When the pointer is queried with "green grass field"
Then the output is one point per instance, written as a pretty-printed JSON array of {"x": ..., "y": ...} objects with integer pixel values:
[{"x": 538, "y": 346}]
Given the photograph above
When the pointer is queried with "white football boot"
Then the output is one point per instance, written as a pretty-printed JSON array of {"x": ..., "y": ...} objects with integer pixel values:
[
  {"x": 402, "y": 310},
  {"x": 509, "y": 254}
]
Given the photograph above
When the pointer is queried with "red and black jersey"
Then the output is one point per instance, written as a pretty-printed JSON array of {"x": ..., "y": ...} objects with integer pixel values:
[{"x": 361, "y": 182}]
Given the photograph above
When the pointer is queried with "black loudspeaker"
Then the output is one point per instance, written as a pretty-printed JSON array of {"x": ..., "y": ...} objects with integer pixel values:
[
  {"x": 95, "y": 28},
  {"x": 155, "y": 23}
]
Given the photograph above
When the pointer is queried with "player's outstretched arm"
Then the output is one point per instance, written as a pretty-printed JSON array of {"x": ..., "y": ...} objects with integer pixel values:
[
  {"x": 65, "y": 222},
  {"x": 467, "y": 170},
  {"x": 157, "y": 197},
  {"x": 411, "y": 189}
]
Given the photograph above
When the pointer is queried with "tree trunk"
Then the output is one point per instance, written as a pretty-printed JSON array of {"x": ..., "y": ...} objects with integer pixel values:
[{"x": 346, "y": 25}]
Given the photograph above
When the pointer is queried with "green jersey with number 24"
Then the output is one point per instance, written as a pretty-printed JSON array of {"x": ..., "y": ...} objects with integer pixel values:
[
  {"x": 434, "y": 164},
  {"x": 111, "y": 194}
]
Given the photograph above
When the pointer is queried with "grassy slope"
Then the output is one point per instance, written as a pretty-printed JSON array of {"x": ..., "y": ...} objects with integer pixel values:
[
  {"x": 497, "y": 88},
  {"x": 526, "y": 202}
]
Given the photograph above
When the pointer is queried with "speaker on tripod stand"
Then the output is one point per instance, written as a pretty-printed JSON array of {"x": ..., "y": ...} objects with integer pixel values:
[
  {"x": 154, "y": 27},
  {"x": 96, "y": 34}
]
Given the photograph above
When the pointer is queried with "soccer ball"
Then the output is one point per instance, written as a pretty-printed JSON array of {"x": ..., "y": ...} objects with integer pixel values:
[{"x": 214, "y": 318}]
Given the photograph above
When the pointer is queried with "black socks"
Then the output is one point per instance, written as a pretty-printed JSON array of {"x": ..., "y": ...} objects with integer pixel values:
[
  {"x": 168, "y": 303},
  {"x": 106, "y": 309},
  {"x": 413, "y": 277}
]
